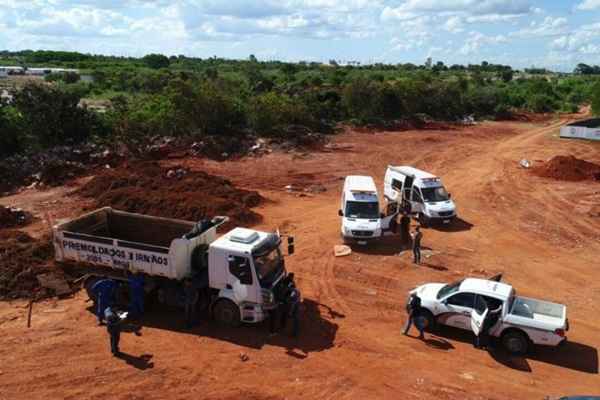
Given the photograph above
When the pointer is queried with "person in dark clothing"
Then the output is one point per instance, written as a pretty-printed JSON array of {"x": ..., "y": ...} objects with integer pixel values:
[
  {"x": 136, "y": 295},
  {"x": 483, "y": 339},
  {"x": 414, "y": 310},
  {"x": 290, "y": 309},
  {"x": 405, "y": 229},
  {"x": 113, "y": 326},
  {"x": 104, "y": 290},
  {"x": 417, "y": 245},
  {"x": 190, "y": 301}
]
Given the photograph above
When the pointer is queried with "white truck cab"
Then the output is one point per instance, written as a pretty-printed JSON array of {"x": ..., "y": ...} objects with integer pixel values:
[
  {"x": 359, "y": 209},
  {"x": 422, "y": 191},
  {"x": 521, "y": 321}
]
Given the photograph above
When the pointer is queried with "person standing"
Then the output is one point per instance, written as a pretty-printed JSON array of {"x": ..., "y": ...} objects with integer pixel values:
[
  {"x": 417, "y": 237},
  {"x": 136, "y": 294},
  {"x": 191, "y": 299},
  {"x": 104, "y": 291},
  {"x": 483, "y": 339},
  {"x": 414, "y": 310},
  {"x": 113, "y": 326},
  {"x": 291, "y": 308}
]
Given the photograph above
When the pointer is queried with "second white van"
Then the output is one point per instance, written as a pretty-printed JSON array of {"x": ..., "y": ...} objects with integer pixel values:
[
  {"x": 422, "y": 191},
  {"x": 359, "y": 209}
]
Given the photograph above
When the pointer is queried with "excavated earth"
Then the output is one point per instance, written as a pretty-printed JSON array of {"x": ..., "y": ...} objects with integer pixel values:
[
  {"x": 542, "y": 234},
  {"x": 568, "y": 168}
]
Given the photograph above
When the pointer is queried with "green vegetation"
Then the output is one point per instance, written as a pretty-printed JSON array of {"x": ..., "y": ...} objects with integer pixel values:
[{"x": 181, "y": 95}]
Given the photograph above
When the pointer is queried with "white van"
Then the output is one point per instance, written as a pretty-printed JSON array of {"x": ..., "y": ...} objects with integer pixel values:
[
  {"x": 359, "y": 209},
  {"x": 424, "y": 192}
]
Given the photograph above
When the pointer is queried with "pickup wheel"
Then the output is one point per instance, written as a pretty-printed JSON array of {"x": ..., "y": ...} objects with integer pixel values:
[
  {"x": 515, "y": 342},
  {"x": 227, "y": 313},
  {"x": 429, "y": 320}
]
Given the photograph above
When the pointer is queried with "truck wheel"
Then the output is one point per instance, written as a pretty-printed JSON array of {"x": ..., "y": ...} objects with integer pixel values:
[
  {"x": 227, "y": 313},
  {"x": 428, "y": 319},
  {"x": 515, "y": 342}
]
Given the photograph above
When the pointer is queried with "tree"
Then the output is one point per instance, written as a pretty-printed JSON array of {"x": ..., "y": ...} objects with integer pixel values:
[
  {"x": 12, "y": 139},
  {"x": 156, "y": 61},
  {"x": 596, "y": 99}
]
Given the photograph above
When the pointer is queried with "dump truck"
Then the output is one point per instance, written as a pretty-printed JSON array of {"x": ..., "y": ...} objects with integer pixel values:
[{"x": 239, "y": 275}]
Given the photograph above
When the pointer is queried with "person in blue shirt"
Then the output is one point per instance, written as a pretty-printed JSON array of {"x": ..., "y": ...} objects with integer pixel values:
[
  {"x": 136, "y": 294},
  {"x": 113, "y": 326},
  {"x": 104, "y": 290}
]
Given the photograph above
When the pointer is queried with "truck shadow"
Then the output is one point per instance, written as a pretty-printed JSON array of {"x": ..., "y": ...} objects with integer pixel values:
[
  {"x": 458, "y": 225},
  {"x": 317, "y": 329},
  {"x": 571, "y": 355}
]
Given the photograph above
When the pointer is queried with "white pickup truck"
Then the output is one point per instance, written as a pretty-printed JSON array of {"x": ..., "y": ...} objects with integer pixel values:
[{"x": 521, "y": 323}]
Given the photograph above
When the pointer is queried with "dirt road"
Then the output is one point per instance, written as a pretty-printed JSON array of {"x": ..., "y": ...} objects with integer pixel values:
[{"x": 537, "y": 231}]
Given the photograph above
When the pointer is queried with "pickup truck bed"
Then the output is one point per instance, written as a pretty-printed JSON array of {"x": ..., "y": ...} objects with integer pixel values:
[{"x": 544, "y": 312}]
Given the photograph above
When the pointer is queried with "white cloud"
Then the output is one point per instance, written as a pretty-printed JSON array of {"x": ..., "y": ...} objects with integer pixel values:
[
  {"x": 477, "y": 40},
  {"x": 550, "y": 26},
  {"x": 454, "y": 24},
  {"x": 588, "y": 5}
]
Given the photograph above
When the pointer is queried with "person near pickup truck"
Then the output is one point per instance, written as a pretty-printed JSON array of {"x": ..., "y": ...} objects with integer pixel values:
[
  {"x": 136, "y": 295},
  {"x": 113, "y": 326},
  {"x": 191, "y": 297},
  {"x": 483, "y": 339},
  {"x": 414, "y": 310},
  {"x": 417, "y": 237}
]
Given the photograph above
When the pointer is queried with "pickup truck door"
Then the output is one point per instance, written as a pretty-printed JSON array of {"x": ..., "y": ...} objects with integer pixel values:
[
  {"x": 478, "y": 315},
  {"x": 457, "y": 310}
]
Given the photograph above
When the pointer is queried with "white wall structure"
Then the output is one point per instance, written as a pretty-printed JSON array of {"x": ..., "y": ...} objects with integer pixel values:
[{"x": 587, "y": 129}]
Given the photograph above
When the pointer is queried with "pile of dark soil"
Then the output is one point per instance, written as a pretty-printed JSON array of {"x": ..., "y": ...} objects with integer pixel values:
[
  {"x": 148, "y": 188},
  {"x": 22, "y": 258},
  {"x": 568, "y": 168},
  {"x": 11, "y": 217}
]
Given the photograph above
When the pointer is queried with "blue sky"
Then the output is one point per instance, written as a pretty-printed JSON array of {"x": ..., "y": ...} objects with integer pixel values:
[{"x": 555, "y": 34}]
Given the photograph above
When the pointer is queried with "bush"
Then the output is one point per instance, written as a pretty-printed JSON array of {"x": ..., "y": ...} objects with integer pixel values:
[{"x": 596, "y": 99}]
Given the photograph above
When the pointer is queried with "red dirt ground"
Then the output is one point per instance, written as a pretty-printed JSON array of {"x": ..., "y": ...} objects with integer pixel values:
[
  {"x": 568, "y": 168},
  {"x": 537, "y": 231}
]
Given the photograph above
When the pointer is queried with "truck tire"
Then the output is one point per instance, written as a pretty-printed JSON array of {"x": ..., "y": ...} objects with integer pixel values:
[
  {"x": 429, "y": 320},
  {"x": 515, "y": 342},
  {"x": 226, "y": 312}
]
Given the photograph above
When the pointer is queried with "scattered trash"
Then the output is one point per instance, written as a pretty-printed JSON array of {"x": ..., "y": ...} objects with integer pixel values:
[
  {"x": 244, "y": 357},
  {"x": 341, "y": 250},
  {"x": 371, "y": 292},
  {"x": 525, "y": 163},
  {"x": 468, "y": 376}
]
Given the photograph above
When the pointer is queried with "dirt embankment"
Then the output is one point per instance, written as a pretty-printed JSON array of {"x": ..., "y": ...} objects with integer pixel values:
[
  {"x": 148, "y": 188},
  {"x": 568, "y": 168}
]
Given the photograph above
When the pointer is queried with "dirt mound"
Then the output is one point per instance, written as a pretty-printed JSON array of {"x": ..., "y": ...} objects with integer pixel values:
[
  {"x": 568, "y": 168},
  {"x": 147, "y": 188},
  {"x": 11, "y": 217},
  {"x": 22, "y": 258}
]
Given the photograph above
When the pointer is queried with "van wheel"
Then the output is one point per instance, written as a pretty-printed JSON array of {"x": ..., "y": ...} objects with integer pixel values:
[
  {"x": 515, "y": 342},
  {"x": 227, "y": 313}
]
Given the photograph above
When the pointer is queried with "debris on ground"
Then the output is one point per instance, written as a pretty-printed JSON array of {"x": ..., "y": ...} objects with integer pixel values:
[
  {"x": 11, "y": 217},
  {"x": 341, "y": 250},
  {"x": 525, "y": 163},
  {"x": 568, "y": 168},
  {"x": 244, "y": 357},
  {"x": 144, "y": 187}
]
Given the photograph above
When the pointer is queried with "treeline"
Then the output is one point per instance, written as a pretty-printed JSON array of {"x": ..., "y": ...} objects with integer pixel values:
[{"x": 159, "y": 95}]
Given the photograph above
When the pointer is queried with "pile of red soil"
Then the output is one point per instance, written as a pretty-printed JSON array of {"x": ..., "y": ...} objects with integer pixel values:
[
  {"x": 11, "y": 217},
  {"x": 148, "y": 188},
  {"x": 568, "y": 168},
  {"x": 22, "y": 258}
]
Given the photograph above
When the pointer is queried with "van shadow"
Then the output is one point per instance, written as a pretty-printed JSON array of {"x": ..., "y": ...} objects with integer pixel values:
[
  {"x": 570, "y": 355},
  {"x": 385, "y": 246},
  {"x": 317, "y": 331},
  {"x": 457, "y": 225}
]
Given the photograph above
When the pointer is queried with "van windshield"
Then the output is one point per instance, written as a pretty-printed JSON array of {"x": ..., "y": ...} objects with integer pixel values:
[
  {"x": 432, "y": 195},
  {"x": 362, "y": 209}
]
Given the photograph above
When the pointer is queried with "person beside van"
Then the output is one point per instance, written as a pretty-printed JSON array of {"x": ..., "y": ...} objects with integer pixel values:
[{"x": 417, "y": 237}]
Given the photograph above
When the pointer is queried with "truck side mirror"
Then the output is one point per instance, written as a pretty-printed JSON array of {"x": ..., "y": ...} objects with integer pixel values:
[{"x": 290, "y": 249}]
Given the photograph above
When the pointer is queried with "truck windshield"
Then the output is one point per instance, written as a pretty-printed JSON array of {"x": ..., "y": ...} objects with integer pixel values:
[
  {"x": 362, "y": 209},
  {"x": 268, "y": 264},
  {"x": 448, "y": 289},
  {"x": 433, "y": 195}
]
